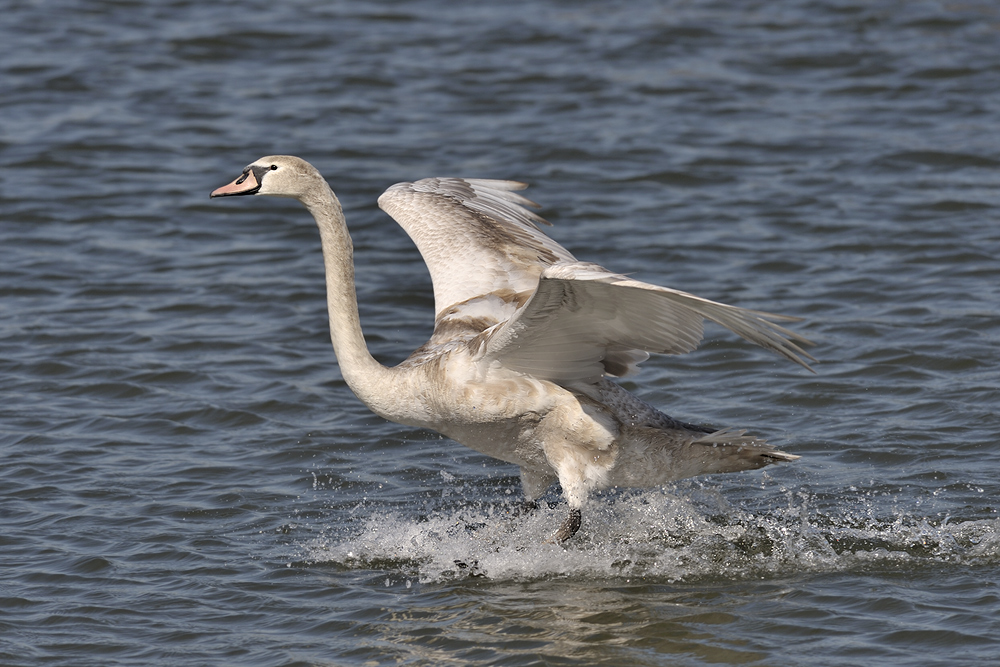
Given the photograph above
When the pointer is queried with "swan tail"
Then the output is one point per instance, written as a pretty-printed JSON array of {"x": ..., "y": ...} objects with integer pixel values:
[
  {"x": 737, "y": 451},
  {"x": 660, "y": 455}
]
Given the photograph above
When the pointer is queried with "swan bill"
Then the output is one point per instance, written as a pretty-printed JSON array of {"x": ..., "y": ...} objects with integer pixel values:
[{"x": 246, "y": 184}]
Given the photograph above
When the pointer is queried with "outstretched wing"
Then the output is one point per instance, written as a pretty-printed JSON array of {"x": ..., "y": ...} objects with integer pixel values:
[
  {"x": 547, "y": 314},
  {"x": 584, "y": 322},
  {"x": 477, "y": 238}
]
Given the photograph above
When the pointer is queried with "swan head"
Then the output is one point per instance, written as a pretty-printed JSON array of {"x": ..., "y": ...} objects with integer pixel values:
[{"x": 274, "y": 175}]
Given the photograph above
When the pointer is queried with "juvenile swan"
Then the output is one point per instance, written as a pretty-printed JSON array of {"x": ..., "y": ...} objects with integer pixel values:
[{"x": 525, "y": 338}]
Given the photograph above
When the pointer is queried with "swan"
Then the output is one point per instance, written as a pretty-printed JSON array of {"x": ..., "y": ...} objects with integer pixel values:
[{"x": 525, "y": 339}]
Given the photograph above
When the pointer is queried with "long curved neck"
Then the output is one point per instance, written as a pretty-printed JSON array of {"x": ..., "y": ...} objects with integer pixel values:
[{"x": 364, "y": 375}]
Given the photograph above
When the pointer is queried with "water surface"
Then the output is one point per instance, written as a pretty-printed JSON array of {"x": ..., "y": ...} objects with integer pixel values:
[{"x": 186, "y": 480}]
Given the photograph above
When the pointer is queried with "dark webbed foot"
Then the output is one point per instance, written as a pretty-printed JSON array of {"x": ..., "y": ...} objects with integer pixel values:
[{"x": 569, "y": 527}]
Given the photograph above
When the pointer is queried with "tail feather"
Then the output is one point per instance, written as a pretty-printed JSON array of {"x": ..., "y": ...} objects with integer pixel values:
[
  {"x": 657, "y": 455},
  {"x": 733, "y": 451},
  {"x": 731, "y": 436}
]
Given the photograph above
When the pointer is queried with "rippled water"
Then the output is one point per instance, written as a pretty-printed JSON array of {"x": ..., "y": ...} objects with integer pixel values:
[{"x": 186, "y": 480}]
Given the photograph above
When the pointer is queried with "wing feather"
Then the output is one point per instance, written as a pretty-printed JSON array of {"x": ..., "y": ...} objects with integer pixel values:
[
  {"x": 545, "y": 313},
  {"x": 477, "y": 236},
  {"x": 584, "y": 322}
]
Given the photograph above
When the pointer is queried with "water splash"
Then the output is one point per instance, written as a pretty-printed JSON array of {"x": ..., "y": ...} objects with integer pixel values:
[{"x": 658, "y": 534}]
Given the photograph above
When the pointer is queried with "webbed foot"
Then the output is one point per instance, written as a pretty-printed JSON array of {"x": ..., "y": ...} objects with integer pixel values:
[{"x": 569, "y": 527}]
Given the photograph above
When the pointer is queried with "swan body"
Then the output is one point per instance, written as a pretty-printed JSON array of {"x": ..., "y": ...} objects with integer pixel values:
[{"x": 525, "y": 340}]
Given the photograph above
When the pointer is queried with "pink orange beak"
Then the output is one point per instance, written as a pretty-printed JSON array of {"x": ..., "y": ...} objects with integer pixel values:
[{"x": 246, "y": 184}]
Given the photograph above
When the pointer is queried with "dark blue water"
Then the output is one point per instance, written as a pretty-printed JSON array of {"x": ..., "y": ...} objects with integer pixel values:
[{"x": 186, "y": 480}]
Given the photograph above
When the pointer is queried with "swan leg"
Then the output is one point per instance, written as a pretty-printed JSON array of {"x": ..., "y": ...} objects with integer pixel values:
[{"x": 535, "y": 482}]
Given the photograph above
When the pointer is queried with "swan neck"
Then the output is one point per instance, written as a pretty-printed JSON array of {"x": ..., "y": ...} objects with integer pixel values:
[{"x": 360, "y": 370}]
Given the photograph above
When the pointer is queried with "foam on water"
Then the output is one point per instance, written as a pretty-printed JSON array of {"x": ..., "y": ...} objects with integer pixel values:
[{"x": 663, "y": 534}]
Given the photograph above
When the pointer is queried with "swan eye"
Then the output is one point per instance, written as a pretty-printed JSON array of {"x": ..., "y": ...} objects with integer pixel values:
[{"x": 274, "y": 167}]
